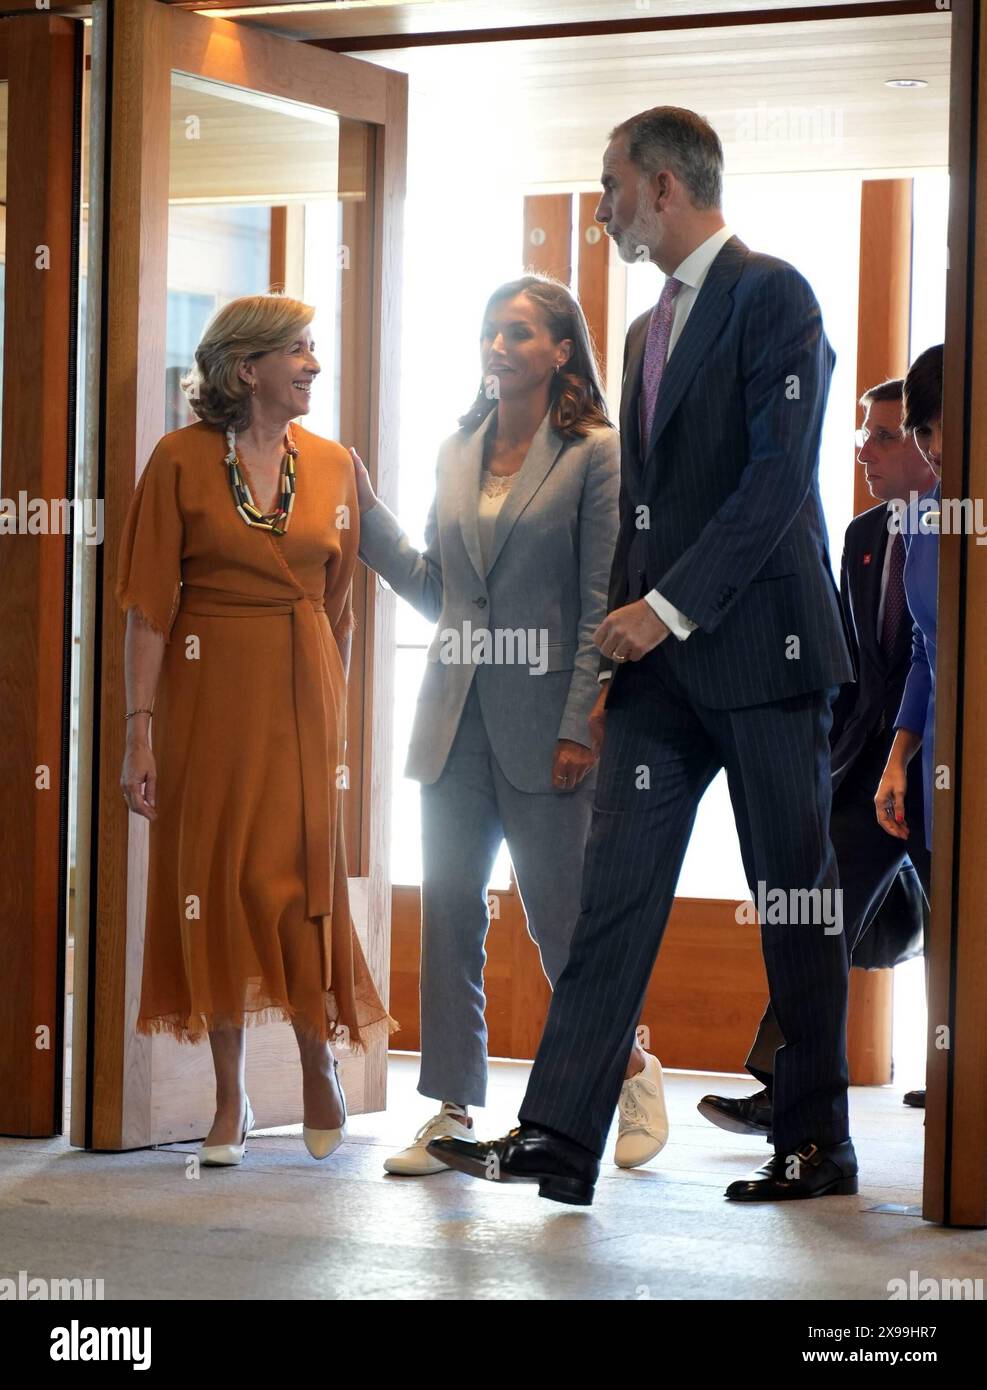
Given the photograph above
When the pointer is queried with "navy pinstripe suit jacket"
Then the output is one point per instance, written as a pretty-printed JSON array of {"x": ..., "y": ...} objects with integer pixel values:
[{"x": 721, "y": 512}]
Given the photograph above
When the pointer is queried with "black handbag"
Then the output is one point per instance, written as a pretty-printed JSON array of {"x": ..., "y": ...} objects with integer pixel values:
[{"x": 897, "y": 930}]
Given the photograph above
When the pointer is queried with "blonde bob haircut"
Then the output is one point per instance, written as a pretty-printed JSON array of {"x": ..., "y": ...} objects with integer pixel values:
[{"x": 245, "y": 328}]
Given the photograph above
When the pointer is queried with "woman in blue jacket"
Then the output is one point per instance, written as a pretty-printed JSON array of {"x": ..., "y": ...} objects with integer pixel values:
[{"x": 915, "y": 724}]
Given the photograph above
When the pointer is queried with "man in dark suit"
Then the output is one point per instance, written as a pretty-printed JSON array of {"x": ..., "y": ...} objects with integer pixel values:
[
  {"x": 880, "y": 632},
  {"x": 726, "y": 646}
]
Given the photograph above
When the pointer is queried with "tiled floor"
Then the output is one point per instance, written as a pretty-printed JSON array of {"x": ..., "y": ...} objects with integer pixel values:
[{"x": 282, "y": 1225}]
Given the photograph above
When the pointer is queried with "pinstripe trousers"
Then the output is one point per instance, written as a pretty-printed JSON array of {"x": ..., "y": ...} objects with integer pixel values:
[{"x": 660, "y": 752}]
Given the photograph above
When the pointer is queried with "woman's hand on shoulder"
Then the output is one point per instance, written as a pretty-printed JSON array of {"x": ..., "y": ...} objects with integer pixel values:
[{"x": 366, "y": 496}]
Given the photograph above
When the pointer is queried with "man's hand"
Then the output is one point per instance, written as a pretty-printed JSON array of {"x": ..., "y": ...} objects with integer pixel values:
[
  {"x": 630, "y": 632},
  {"x": 570, "y": 765}
]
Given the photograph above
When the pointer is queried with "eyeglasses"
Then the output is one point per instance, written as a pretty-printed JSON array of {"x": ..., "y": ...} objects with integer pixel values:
[{"x": 879, "y": 436}]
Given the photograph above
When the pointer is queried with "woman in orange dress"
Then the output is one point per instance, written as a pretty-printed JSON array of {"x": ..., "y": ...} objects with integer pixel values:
[{"x": 235, "y": 571}]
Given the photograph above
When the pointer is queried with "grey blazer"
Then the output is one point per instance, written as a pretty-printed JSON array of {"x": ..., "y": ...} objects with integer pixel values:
[{"x": 549, "y": 568}]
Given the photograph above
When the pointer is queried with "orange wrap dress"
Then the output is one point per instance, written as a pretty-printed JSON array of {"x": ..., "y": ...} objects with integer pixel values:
[{"x": 247, "y": 905}]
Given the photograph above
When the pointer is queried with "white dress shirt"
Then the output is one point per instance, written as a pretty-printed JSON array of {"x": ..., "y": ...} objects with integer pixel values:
[{"x": 692, "y": 273}]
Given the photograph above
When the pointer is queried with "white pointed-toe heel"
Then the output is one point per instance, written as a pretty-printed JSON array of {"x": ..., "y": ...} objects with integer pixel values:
[
  {"x": 228, "y": 1155},
  {"x": 321, "y": 1142}
]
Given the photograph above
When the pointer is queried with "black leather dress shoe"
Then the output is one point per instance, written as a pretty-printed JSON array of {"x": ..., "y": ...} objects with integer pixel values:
[
  {"x": 814, "y": 1173},
  {"x": 916, "y": 1098},
  {"x": 563, "y": 1170},
  {"x": 739, "y": 1114}
]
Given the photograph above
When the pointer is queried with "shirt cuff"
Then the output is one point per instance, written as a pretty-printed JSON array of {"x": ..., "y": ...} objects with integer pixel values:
[{"x": 676, "y": 622}]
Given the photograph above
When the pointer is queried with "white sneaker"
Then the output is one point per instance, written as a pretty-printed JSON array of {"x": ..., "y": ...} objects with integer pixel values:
[
  {"x": 415, "y": 1161},
  {"x": 642, "y": 1120}
]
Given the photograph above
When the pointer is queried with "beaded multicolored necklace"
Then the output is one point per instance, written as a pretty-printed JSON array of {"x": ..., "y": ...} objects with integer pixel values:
[{"x": 276, "y": 521}]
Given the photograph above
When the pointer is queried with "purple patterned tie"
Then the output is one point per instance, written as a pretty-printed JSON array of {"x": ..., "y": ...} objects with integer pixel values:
[
  {"x": 895, "y": 603},
  {"x": 655, "y": 355}
]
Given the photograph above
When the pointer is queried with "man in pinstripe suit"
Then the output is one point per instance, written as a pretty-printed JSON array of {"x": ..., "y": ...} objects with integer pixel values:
[
  {"x": 880, "y": 632},
  {"x": 723, "y": 648}
]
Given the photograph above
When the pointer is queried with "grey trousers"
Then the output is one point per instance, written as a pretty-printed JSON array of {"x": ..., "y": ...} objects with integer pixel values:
[{"x": 465, "y": 816}]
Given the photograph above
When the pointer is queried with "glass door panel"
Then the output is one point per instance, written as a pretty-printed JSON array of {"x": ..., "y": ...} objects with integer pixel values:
[{"x": 260, "y": 194}]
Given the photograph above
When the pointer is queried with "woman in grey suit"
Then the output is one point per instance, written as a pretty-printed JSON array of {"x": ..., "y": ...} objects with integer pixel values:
[{"x": 515, "y": 572}]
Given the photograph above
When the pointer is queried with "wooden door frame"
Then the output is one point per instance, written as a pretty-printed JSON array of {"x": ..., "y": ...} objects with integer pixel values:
[
  {"x": 956, "y": 1146},
  {"x": 41, "y": 61},
  {"x": 955, "y": 1185},
  {"x": 135, "y": 49}
]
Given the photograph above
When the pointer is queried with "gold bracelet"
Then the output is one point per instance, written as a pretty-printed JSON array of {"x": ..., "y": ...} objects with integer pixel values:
[{"x": 138, "y": 711}]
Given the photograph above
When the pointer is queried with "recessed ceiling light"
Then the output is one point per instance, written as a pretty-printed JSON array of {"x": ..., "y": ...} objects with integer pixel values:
[{"x": 906, "y": 82}]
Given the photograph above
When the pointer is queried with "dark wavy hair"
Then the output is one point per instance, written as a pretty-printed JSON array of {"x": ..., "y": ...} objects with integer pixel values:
[
  {"x": 577, "y": 403},
  {"x": 922, "y": 394}
]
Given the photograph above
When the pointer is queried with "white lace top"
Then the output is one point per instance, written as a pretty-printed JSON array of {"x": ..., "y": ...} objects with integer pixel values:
[{"x": 493, "y": 492}]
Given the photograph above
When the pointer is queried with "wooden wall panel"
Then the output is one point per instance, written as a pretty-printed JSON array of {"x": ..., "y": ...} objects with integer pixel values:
[
  {"x": 547, "y": 245},
  {"x": 593, "y": 271},
  {"x": 279, "y": 249},
  {"x": 702, "y": 1007},
  {"x": 43, "y": 69},
  {"x": 885, "y": 295}
]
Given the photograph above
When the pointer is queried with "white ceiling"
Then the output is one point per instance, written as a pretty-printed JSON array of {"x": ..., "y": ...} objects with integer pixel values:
[
  {"x": 782, "y": 97},
  {"x": 807, "y": 96}
]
